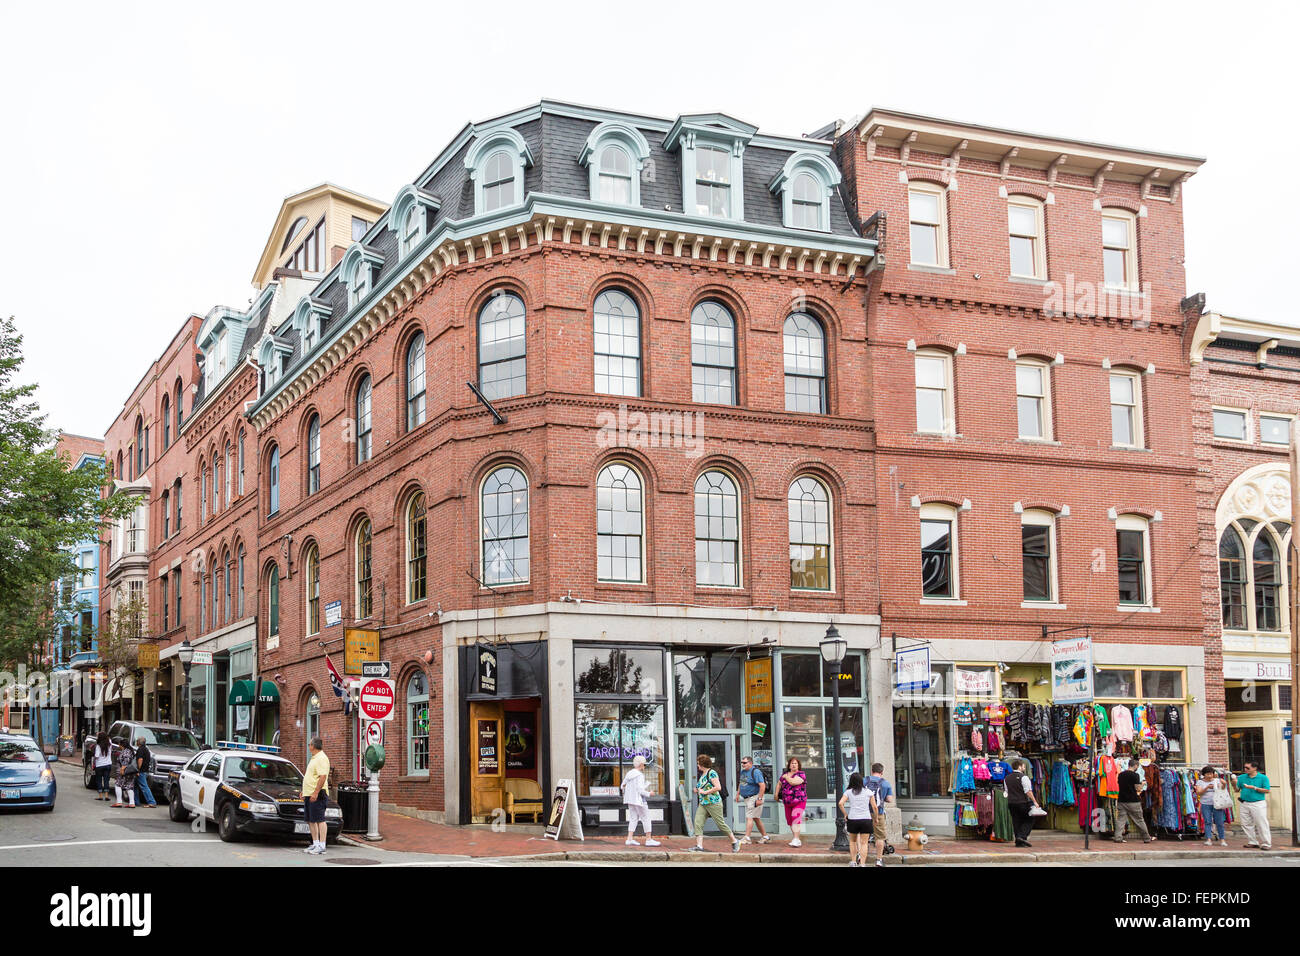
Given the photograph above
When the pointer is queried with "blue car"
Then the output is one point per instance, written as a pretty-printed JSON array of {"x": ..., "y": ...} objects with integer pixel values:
[{"x": 26, "y": 777}]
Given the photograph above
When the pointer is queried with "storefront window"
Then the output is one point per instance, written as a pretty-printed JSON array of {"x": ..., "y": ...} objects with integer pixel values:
[
  {"x": 198, "y": 691},
  {"x": 852, "y": 752},
  {"x": 923, "y": 740},
  {"x": 690, "y": 679},
  {"x": 1115, "y": 683},
  {"x": 1162, "y": 685},
  {"x": 610, "y": 736},
  {"x": 724, "y": 690},
  {"x": 1247, "y": 697},
  {"x": 850, "y": 673},
  {"x": 805, "y": 739},
  {"x": 607, "y": 670},
  {"x": 1162, "y": 689},
  {"x": 1246, "y": 745},
  {"x": 801, "y": 675}
]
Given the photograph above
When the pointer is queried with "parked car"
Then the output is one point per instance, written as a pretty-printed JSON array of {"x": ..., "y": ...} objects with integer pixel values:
[
  {"x": 26, "y": 777},
  {"x": 245, "y": 789},
  {"x": 171, "y": 746}
]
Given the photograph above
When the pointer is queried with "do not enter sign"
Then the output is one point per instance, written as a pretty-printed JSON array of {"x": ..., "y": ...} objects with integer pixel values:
[{"x": 378, "y": 698}]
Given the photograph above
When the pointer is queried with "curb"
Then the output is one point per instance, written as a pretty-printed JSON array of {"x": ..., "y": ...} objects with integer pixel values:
[{"x": 839, "y": 859}]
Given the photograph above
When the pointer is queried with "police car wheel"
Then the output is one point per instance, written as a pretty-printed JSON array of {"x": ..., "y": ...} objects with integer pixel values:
[
  {"x": 175, "y": 809},
  {"x": 226, "y": 828}
]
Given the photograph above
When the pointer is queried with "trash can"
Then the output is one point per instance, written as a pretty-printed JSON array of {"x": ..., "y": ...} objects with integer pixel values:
[{"x": 352, "y": 801}]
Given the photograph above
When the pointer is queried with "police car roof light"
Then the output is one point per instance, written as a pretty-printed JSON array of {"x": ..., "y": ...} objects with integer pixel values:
[{"x": 239, "y": 745}]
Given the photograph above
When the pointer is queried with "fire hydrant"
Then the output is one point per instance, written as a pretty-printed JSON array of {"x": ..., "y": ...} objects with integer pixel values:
[{"x": 916, "y": 836}]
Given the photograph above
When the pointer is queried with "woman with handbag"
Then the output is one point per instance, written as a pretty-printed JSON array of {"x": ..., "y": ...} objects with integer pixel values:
[
  {"x": 1021, "y": 802},
  {"x": 792, "y": 791},
  {"x": 1214, "y": 798}
]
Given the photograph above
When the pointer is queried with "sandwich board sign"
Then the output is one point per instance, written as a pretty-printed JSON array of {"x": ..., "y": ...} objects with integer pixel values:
[{"x": 564, "y": 822}]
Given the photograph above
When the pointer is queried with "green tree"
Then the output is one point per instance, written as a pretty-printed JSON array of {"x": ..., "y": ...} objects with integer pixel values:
[{"x": 45, "y": 508}]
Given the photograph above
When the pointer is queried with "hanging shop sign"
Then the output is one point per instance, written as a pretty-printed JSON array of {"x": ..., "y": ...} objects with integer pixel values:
[
  {"x": 489, "y": 758},
  {"x": 359, "y": 645},
  {"x": 912, "y": 669},
  {"x": 201, "y": 659},
  {"x": 147, "y": 656},
  {"x": 487, "y": 670},
  {"x": 758, "y": 686},
  {"x": 1072, "y": 671}
]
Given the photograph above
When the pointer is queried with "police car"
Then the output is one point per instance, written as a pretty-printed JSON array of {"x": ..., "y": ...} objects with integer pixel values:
[{"x": 245, "y": 789}]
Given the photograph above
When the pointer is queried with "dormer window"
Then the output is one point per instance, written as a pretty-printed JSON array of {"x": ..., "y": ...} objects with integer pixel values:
[
  {"x": 308, "y": 321},
  {"x": 496, "y": 163},
  {"x": 272, "y": 353},
  {"x": 805, "y": 185},
  {"x": 357, "y": 271},
  {"x": 712, "y": 148},
  {"x": 411, "y": 212},
  {"x": 614, "y": 155}
]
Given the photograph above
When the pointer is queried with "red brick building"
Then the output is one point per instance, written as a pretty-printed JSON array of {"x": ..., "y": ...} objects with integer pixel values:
[
  {"x": 1246, "y": 392},
  {"x": 1034, "y": 458}
]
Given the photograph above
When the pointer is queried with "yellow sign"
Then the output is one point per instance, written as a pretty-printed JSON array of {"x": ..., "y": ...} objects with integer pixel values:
[
  {"x": 359, "y": 646},
  {"x": 147, "y": 656},
  {"x": 758, "y": 686}
]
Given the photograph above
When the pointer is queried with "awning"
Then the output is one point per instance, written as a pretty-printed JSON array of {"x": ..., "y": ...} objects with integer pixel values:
[
  {"x": 269, "y": 694},
  {"x": 241, "y": 692}
]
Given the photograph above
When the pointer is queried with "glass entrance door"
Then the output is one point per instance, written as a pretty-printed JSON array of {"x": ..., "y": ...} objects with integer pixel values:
[{"x": 721, "y": 749}]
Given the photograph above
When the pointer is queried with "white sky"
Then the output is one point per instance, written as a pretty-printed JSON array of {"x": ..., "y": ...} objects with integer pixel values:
[{"x": 145, "y": 149}]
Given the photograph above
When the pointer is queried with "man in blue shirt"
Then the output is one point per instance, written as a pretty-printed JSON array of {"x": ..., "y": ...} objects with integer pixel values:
[
  {"x": 1253, "y": 788},
  {"x": 753, "y": 784},
  {"x": 884, "y": 791}
]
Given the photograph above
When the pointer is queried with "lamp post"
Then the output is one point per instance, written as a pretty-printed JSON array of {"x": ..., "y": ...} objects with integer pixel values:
[
  {"x": 186, "y": 657},
  {"x": 833, "y": 649}
]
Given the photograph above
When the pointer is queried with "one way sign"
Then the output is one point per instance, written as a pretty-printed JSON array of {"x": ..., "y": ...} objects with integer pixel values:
[{"x": 376, "y": 669}]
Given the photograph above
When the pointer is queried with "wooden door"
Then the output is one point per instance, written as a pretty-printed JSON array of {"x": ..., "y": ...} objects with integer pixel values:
[{"x": 487, "y": 764}]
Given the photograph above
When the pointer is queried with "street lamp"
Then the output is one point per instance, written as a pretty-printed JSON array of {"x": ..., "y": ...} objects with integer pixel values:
[
  {"x": 833, "y": 649},
  {"x": 186, "y": 656}
]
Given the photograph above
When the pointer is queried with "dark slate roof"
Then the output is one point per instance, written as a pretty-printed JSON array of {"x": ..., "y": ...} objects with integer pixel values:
[{"x": 555, "y": 139}]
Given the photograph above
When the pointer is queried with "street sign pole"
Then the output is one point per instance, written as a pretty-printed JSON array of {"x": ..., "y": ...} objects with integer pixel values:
[{"x": 1295, "y": 640}]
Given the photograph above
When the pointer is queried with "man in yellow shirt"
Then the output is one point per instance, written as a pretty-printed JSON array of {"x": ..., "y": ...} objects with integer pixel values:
[{"x": 315, "y": 795}]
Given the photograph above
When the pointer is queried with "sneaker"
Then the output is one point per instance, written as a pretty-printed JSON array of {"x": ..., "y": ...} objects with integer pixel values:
[
  {"x": 766, "y": 839},
  {"x": 853, "y": 863},
  {"x": 315, "y": 850},
  {"x": 1266, "y": 848},
  {"x": 880, "y": 863},
  {"x": 746, "y": 840},
  {"x": 630, "y": 842},
  {"x": 309, "y": 848},
  {"x": 1223, "y": 843},
  {"x": 697, "y": 849},
  {"x": 735, "y": 846},
  {"x": 650, "y": 842},
  {"x": 1209, "y": 843},
  {"x": 795, "y": 843}
]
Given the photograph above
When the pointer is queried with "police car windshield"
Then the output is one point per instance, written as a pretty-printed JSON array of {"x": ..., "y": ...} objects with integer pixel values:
[
  {"x": 261, "y": 770},
  {"x": 168, "y": 738}
]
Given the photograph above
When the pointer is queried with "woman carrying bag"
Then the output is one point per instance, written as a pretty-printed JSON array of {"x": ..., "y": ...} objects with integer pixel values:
[{"x": 1215, "y": 799}]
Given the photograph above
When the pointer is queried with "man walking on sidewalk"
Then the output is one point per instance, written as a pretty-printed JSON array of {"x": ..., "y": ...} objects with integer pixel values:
[
  {"x": 316, "y": 794},
  {"x": 753, "y": 785},
  {"x": 1254, "y": 787},
  {"x": 1130, "y": 804}
]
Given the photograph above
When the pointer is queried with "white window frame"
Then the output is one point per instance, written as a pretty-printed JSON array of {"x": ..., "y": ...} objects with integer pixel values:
[
  {"x": 640, "y": 533},
  {"x": 1044, "y": 399},
  {"x": 633, "y": 144},
  {"x": 1130, "y": 282},
  {"x": 938, "y": 511},
  {"x": 488, "y": 144},
  {"x": 1279, "y": 416},
  {"x": 740, "y": 531},
  {"x": 1230, "y": 410},
  {"x": 1131, "y": 522},
  {"x": 515, "y": 579},
  {"x": 1038, "y": 518},
  {"x": 1139, "y": 434},
  {"x": 949, "y": 407},
  {"x": 1037, "y": 237},
  {"x": 830, "y": 533},
  {"x": 941, "y": 227}
]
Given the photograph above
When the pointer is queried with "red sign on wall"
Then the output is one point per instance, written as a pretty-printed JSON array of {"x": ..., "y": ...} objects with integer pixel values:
[{"x": 378, "y": 699}]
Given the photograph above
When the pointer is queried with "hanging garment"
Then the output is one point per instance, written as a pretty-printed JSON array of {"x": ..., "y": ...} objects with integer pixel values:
[
  {"x": 1173, "y": 722},
  {"x": 976, "y": 739},
  {"x": 1087, "y": 803},
  {"x": 996, "y": 714},
  {"x": 994, "y": 741},
  {"x": 1101, "y": 720},
  {"x": 1168, "y": 815},
  {"x": 963, "y": 714},
  {"x": 1142, "y": 722},
  {"x": 1151, "y": 796},
  {"x": 984, "y": 808},
  {"x": 1083, "y": 727},
  {"x": 1062, "y": 722},
  {"x": 1002, "y": 827},
  {"x": 965, "y": 776},
  {"x": 1016, "y": 724},
  {"x": 1061, "y": 790},
  {"x": 1121, "y": 719},
  {"x": 980, "y": 769}
]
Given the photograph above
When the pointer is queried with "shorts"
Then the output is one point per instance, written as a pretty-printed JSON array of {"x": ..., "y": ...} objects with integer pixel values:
[
  {"x": 860, "y": 826},
  {"x": 316, "y": 808},
  {"x": 794, "y": 813},
  {"x": 752, "y": 810}
]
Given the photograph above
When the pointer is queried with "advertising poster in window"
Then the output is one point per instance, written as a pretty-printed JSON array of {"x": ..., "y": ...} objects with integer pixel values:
[
  {"x": 521, "y": 740},
  {"x": 489, "y": 760},
  {"x": 1072, "y": 671}
]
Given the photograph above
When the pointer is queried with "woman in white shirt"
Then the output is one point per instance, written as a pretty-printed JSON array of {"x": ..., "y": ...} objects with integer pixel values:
[
  {"x": 103, "y": 758},
  {"x": 860, "y": 809},
  {"x": 1215, "y": 819},
  {"x": 634, "y": 798}
]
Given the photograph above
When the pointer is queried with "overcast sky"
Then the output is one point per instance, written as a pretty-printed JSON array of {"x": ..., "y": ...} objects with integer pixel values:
[{"x": 145, "y": 149}]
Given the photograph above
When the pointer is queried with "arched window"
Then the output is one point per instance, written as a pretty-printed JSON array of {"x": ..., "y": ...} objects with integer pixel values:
[
  {"x": 203, "y": 598},
  {"x": 1232, "y": 579},
  {"x": 717, "y": 531},
  {"x": 313, "y": 455},
  {"x": 615, "y": 175},
  {"x": 713, "y": 354},
  {"x": 505, "y": 527},
  {"x": 363, "y": 419},
  {"x": 412, "y": 228},
  {"x": 312, "y": 728},
  {"x": 415, "y": 382},
  {"x": 177, "y": 495},
  {"x": 498, "y": 181},
  {"x": 273, "y": 481},
  {"x": 417, "y": 725},
  {"x": 166, "y": 422},
  {"x": 618, "y": 344},
  {"x": 1266, "y": 572},
  {"x": 230, "y": 464},
  {"x": 139, "y": 447},
  {"x": 363, "y": 555},
  {"x": 166, "y": 515},
  {"x": 216, "y": 483},
  {"x": 241, "y": 461},
  {"x": 179, "y": 415},
  {"x": 806, "y": 202},
  {"x": 416, "y": 550},
  {"x": 502, "y": 366},
  {"x": 240, "y": 561},
  {"x": 217, "y": 581},
  {"x": 228, "y": 581},
  {"x": 203, "y": 493},
  {"x": 312, "y": 565},
  {"x": 809, "y": 507},
  {"x": 273, "y": 602},
  {"x": 620, "y": 524},
  {"x": 805, "y": 364}
]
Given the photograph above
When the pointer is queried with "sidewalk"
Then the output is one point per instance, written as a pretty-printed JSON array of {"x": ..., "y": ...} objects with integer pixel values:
[{"x": 409, "y": 834}]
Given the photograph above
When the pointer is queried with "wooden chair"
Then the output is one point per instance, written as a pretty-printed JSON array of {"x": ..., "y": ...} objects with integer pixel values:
[{"x": 523, "y": 796}]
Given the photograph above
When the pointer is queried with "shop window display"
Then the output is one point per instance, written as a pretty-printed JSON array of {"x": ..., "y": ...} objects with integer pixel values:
[{"x": 610, "y": 736}]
